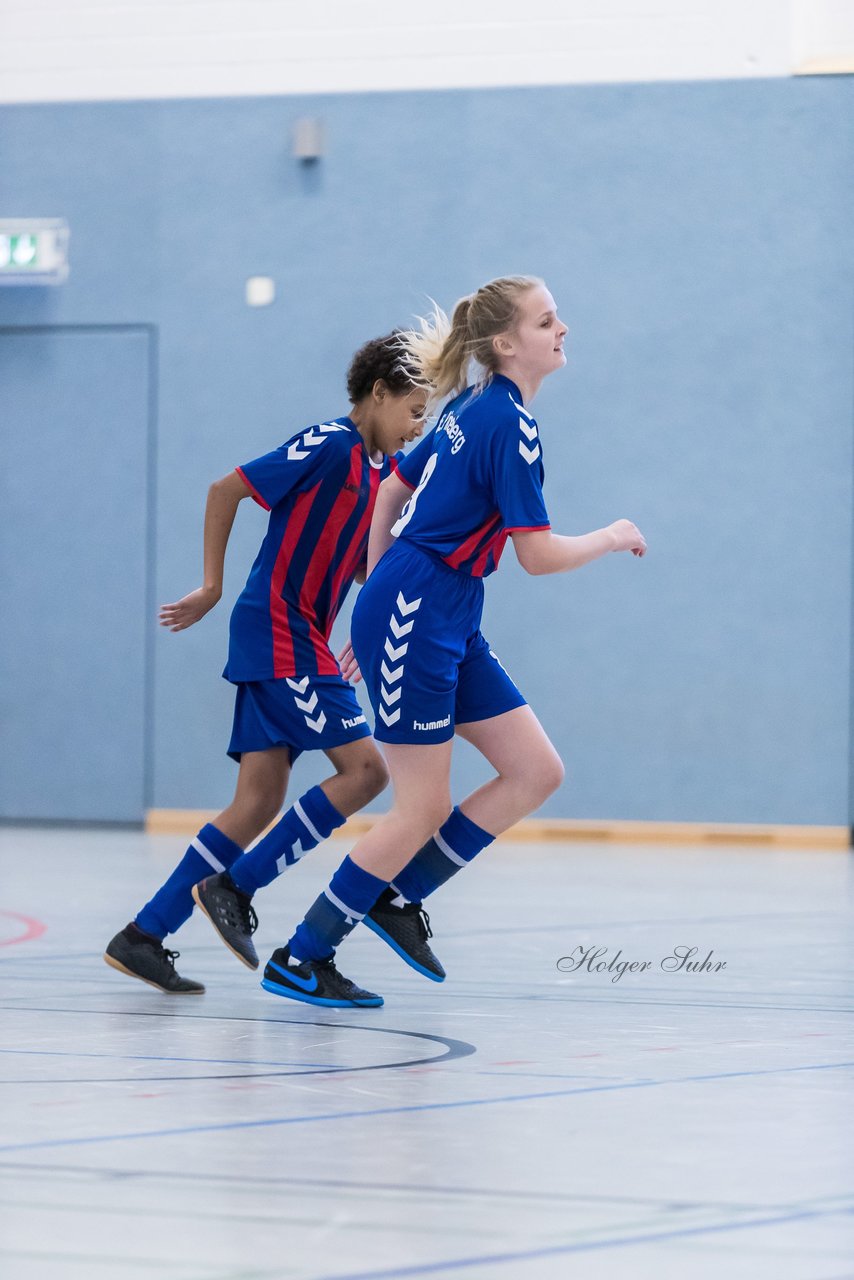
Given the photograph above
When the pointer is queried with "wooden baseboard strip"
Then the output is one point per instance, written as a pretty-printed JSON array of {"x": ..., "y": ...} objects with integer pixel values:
[
  {"x": 188, "y": 821},
  {"x": 841, "y": 66}
]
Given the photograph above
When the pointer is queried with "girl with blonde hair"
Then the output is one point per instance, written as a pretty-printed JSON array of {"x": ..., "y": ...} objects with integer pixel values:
[{"x": 439, "y": 528}]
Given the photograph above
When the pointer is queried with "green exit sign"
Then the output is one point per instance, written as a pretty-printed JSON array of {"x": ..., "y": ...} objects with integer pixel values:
[{"x": 33, "y": 250}]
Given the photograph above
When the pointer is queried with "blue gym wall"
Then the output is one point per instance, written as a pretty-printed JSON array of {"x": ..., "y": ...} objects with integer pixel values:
[{"x": 698, "y": 239}]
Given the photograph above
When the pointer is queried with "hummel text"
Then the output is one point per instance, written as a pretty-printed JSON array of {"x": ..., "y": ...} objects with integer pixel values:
[{"x": 432, "y": 724}]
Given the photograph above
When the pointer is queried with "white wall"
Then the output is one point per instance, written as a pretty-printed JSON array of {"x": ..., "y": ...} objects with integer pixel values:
[
  {"x": 823, "y": 35},
  {"x": 58, "y": 50}
]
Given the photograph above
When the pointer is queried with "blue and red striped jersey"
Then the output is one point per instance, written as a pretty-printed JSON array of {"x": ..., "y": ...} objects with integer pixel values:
[
  {"x": 477, "y": 477},
  {"x": 320, "y": 488}
]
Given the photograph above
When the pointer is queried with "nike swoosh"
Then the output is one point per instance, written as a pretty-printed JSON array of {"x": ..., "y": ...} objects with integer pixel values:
[{"x": 305, "y": 984}]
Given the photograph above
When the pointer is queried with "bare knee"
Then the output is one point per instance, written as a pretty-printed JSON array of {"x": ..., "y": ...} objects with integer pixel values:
[
  {"x": 365, "y": 776},
  {"x": 373, "y": 776},
  {"x": 553, "y": 774},
  {"x": 544, "y": 775},
  {"x": 426, "y": 818}
]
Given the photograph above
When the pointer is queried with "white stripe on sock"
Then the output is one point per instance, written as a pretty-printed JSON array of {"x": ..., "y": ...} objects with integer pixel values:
[
  {"x": 307, "y": 823},
  {"x": 206, "y": 854},
  {"x": 342, "y": 906},
  {"x": 448, "y": 851}
]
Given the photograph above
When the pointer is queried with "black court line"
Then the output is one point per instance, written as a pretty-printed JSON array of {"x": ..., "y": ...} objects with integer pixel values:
[{"x": 454, "y": 1049}]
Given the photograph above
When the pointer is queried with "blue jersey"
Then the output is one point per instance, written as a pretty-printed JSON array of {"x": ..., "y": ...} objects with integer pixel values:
[
  {"x": 320, "y": 488},
  {"x": 478, "y": 477}
]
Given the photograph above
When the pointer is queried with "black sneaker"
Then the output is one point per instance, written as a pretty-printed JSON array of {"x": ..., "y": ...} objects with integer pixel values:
[
  {"x": 231, "y": 913},
  {"x": 314, "y": 982},
  {"x": 142, "y": 956},
  {"x": 406, "y": 930}
]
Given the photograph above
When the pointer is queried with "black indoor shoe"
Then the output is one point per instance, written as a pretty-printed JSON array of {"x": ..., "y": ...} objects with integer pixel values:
[
  {"x": 142, "y": 956},
  {"x": 406, "y": 930},
  {"x": 231, "y": 913},
  {"x": 314, "y": 982}
]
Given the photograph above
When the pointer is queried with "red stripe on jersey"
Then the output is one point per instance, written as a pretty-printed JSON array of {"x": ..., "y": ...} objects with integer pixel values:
[
  {"x": 352, "y": 557},
  {"x": 323, "y": 555},
  {"x": 283, "y": 641},
  {"x": 395, "y": 471},
  {"x": 527, "y": 528},
  {"x": 255, "y": 494},
  {"x": 494, "y": 547},
  {"x": 468, "y": 548}
]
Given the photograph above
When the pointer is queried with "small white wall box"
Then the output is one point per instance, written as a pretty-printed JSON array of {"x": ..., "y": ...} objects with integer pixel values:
[
  {"x": 309, "y": 139},
  {"x": 33, "y": 251},
  {"x": 260, "y": 291}
]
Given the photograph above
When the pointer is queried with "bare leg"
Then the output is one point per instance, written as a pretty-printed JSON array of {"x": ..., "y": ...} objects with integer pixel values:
[
  {"x": 528, "y": 767},
  {"x": 360, "y": 776},
  {"x": 262, "y": 781},
  {"x": 422, "y": 800}
]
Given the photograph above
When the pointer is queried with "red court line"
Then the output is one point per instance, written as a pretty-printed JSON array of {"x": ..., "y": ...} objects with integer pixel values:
[{"x": 32, "y": 929}]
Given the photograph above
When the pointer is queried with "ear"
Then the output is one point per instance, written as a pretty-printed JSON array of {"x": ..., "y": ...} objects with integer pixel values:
[
  {"x": 502, "y": 344},
  {"x": 379, "y": 390}
]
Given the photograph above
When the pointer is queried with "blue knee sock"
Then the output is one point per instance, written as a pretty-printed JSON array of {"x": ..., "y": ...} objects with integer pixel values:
[
  {"x": 211, "y": 851},
  {"x": 454, "y": 845},
  {"x": 336, "y": 912},
  {"x": 313, "y": 818}
]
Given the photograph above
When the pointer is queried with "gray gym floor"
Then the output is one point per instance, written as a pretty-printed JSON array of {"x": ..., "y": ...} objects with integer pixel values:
[{"x": 518, "y": 1122}]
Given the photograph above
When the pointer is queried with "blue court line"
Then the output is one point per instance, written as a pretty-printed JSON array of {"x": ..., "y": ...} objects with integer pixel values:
[
  {"x": 426, "y": 1106},
  {"x": 617, "y": 1242},
  {"x": 100, "y": 1172}
]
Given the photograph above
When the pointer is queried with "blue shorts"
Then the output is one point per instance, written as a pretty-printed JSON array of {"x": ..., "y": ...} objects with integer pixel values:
[
  {"x": 308, "y": 713},
  {"x": 426, "y": 665}
]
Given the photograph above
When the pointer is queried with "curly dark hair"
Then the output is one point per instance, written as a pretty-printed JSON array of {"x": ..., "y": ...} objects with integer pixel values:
[{"x": 382, "y": 358}]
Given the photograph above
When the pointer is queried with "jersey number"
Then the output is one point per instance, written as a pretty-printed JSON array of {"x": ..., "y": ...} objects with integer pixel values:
[{"x": 409, "y": 510}]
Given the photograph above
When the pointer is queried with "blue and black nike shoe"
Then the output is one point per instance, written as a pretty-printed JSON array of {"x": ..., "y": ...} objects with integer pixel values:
[{"x": 314, "y": 982}]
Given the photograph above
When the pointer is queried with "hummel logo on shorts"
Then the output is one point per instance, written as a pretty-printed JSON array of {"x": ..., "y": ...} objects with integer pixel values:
[{"x": 351, "y": 723}]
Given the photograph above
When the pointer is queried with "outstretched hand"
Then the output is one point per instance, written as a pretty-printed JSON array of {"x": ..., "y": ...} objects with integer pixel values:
[
  {"x": 183, "y": 613},
  {"x": 349, "y": 666}
]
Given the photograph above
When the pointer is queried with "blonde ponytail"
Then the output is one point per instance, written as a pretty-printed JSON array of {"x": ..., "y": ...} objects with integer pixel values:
[{"x": 440, "y": 349}]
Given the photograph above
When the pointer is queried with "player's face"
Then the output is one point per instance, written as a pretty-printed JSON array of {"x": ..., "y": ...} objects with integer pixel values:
[
  {"x": 400, "y": 419},
  {"x": 536, "y": 341}
]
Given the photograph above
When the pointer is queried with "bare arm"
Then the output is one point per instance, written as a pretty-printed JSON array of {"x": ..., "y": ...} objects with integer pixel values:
[
  {"x": 391, "y": 499},
  {"x": 541, "y": 551},
  {"x": 224, "y": 497}
]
